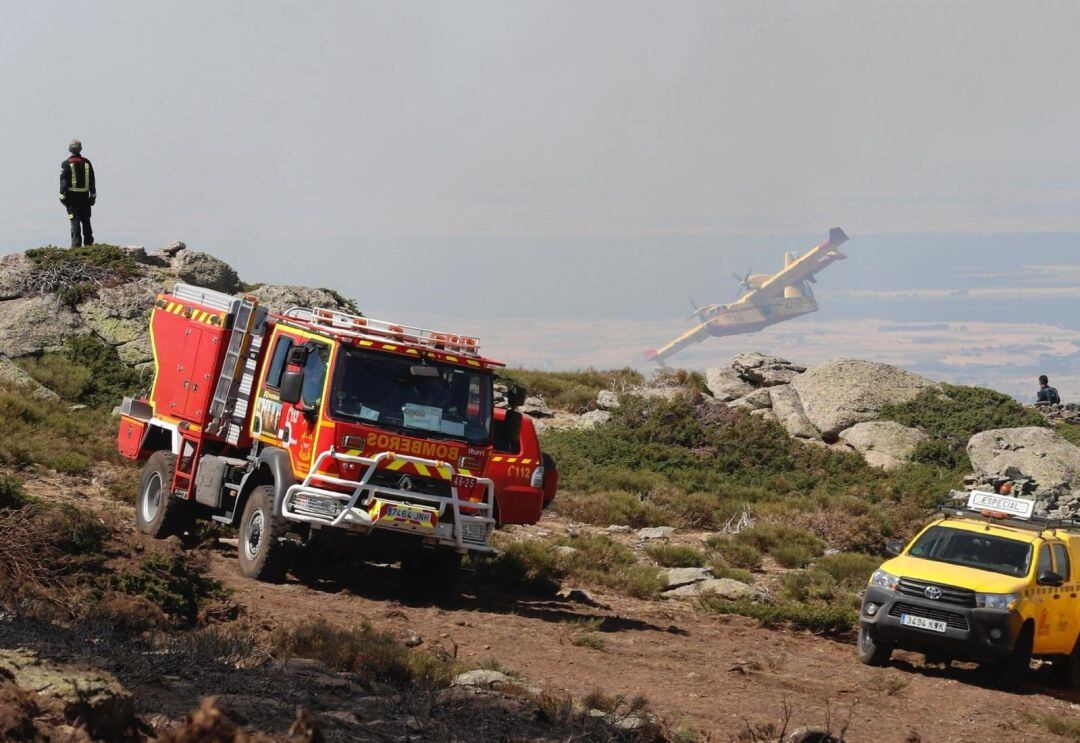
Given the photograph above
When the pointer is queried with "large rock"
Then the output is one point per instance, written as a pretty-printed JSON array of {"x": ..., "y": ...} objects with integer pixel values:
[
  {"x": 13, "y": 269},
  {"x": 203, "y": 269},
  {"x": 884, "y": 444},
  {"x": 840, "y": 393},
  {"x": 788, "y": 409},
  {"x": 121, "y": 314},
  {"x": 727, "y": 588},
  {"x": 726, "y": 384},
  {"x": 281, "y": 297},
  {"x": 756, "y": 400},
  {"x": 33, "y": 324},
  {"x": 676, "y": 577},
  {"x": 1016, "y": 453}
]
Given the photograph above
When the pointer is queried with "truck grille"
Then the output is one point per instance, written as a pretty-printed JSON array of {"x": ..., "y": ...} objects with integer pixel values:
[
  {"x": 951, "y": 618},
  {"x": 949, "y": 594},
  {"x": 424, "y": 485}
]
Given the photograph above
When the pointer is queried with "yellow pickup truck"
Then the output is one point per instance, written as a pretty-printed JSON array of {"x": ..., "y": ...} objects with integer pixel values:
[{"x": 987, "y": 583}]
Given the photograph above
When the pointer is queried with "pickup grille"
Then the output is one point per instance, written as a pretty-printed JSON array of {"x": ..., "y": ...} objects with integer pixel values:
[
  {"x": 949, "y": 594},
  {"x": 951, "y": 618}
]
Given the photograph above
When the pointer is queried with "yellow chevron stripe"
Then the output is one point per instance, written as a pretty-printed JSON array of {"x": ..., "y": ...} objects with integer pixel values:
[
  {"x": 445, "y": 472},
  {"x": 365, "y": 343},
  {"x": 464, "y": 472},
  {"x": 396, "y": 464},
  {"x": 421, "y": 469},
  {"x": 496, "y": 459}
]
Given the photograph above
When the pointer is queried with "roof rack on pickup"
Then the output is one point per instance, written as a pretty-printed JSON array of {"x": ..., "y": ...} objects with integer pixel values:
[
  {"x": 1034, "y": 523},
  {"x": 381, "y": 330}
]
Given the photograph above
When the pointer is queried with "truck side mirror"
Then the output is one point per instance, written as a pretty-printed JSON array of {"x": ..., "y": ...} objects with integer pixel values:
[
  {"x": 515, "y": 396},
  {"x": 509, "y": 432},
  {"x": 894, "y": 547},
  {"x": 292, "y": 379},
  {"x": 1049, "y": 578}
]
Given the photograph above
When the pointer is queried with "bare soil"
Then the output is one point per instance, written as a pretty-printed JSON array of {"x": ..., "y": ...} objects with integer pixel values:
[{"x": 718, "y": 673}]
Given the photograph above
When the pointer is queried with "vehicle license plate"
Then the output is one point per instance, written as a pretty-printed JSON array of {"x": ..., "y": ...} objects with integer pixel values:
[
  {"x": 409, "y": 515},
  {"x": 463, "y": 481},
  {"x": 923, "y": 623}
]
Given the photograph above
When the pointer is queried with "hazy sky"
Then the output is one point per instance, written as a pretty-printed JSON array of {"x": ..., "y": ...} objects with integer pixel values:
[{"x": 408, "y": 152}]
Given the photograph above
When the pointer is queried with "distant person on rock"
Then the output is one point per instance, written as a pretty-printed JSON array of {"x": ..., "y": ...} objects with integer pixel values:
[
  {"x": 78, "y": 192},
  {"x": 1046, "y": 395}
]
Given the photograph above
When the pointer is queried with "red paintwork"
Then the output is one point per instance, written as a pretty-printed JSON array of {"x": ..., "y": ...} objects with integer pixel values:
[
  {"x": 519, "y": 502},
  {"x": 129, "y": 437}
]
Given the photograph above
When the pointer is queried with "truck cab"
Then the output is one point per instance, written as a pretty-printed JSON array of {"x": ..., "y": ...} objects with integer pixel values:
[
  {"x": 289, "y": 424},
  {"x": 986, "y": 583},
  {"x": 526, "y": 478}
]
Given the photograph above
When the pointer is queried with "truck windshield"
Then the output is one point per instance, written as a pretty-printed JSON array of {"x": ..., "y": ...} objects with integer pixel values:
[
  {"x": 412, "y": 394},
  {"x": 973, "y": 549}
]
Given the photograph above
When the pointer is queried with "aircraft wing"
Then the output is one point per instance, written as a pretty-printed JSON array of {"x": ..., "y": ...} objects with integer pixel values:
[
  {"x": 695, "y": 335},
  {"x": 804, "y": 268}
]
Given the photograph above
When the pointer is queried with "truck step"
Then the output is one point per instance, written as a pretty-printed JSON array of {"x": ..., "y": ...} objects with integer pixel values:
[{"x": 226, "y": 519}]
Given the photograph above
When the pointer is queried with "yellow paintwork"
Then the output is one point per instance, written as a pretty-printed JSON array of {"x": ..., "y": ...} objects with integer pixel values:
[{"x": 1054, "y": 611}]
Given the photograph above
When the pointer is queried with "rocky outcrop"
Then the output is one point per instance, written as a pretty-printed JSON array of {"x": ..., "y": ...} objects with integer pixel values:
[
  {"x": 884, "y": 444},
  {"x": 13, "y": 268},
  {"x": 726, "y": 588},
  {"x": 1034, "y": 453},
  {"x": 203, "y": 269},
  {"x": 840, "y": 393},
  {"x": 766, "y": 371},
  {"x": 11, "y": 373},
  {"x": 282, "y": 297}
]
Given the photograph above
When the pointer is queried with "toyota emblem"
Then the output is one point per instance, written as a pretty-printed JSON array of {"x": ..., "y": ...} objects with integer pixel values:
[
  {"x": 932, "y": 592},
  {"x": 405, "y": 483}
]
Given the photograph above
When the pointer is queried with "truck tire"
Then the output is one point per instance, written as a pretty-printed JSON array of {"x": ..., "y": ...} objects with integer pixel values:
[
  {"x": 263, "y": 554},
  {"x": 872, "y": 652},
  {"x": 1068, "y": 669},
  {"x": 1010, "y": 672},
  {"x": 157, "y": 512},
  {"x": 432, "y": 572}
]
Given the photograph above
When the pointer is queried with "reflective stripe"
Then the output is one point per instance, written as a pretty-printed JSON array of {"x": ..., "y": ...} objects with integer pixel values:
[{"x": 85, "y": 188}]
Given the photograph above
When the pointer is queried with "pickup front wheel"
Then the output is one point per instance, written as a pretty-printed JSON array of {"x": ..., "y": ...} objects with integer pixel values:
[
  {"x": 1011, "y": 672},
  {"x": 872, "y": 652}
]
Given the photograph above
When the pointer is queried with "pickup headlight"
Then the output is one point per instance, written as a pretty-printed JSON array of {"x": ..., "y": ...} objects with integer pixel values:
[
  {"x": 1002, "y": 601},
  {"x": 881, "y": 579}
]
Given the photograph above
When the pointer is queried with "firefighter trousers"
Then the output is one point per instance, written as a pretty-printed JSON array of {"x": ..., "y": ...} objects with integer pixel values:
[{"x": 78, "y": 211}]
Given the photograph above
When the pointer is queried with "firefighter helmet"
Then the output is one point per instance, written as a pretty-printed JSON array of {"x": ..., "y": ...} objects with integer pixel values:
[{"x": 75, "y": 147}]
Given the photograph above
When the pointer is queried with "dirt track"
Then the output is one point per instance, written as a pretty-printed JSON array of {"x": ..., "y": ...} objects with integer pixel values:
[{"x": 714, "y": 671}]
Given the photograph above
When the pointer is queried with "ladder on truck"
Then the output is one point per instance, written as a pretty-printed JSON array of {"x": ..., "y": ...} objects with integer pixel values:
[
  {"x": 232, "y": 394},
  {"x": 384, "y": 330}
]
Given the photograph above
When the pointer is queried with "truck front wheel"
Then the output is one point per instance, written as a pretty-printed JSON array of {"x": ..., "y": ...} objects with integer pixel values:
[
  {"x": 872, "y": 652},
  {"x": 432, "y": 572},
  {"x": 263, "y": 552},
  {"x": 157, "y": 512},
  {"x": 1068, "y": 668}
]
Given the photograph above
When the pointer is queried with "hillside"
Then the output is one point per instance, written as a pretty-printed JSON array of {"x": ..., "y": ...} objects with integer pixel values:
[{"x": 697, "y": 574}]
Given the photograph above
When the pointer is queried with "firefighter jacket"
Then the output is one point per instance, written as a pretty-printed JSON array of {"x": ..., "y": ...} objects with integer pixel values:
[{"x": 77, "y": 177}]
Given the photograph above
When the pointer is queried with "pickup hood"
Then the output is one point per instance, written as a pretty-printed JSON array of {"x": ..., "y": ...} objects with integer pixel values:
[{"x": 981, "y": 581}]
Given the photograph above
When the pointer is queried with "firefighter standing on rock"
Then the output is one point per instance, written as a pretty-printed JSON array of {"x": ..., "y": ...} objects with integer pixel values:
[{"x": 78, "y": 192}]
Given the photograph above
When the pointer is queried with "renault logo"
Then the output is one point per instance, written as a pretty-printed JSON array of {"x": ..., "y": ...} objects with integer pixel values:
[
  {"x": 932, "y": 592},
  {"x": 406, "y": 483}
]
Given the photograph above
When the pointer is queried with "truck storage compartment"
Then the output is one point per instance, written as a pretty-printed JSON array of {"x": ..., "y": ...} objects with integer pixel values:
[{"x": 129, "y": 439}]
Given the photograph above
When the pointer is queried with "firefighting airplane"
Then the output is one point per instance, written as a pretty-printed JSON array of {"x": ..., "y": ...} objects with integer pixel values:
[{"x": 766, "y": 299}]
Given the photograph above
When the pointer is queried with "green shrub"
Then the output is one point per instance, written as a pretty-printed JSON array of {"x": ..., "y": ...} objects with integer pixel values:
[
  {"x": 606, "y": 508},
  {"x": 529, "y": 564},
  {"x": 676, "y": 555},
  {"x": 722, "y": 570},
  {"x": 373, "y": 655},
  {"x": 773, "y": 537},
  {"x": 792, "y": 555},
  {"x": 75, "y": 274},
  {"x": 75, "y": 531},
  {"x": 737, "y": 553},
  {"x": 171, "y": 583},
  {"x": 821, "y": 618},
  {"x": 12, "y": 494},
  {"x": 850, "y": 569},
  {"x": 953, "y": 414},
  {"x": 47, "y": 433}
]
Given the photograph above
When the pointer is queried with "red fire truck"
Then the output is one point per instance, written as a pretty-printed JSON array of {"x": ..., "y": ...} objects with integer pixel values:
[{"x": 315, "y": 420}]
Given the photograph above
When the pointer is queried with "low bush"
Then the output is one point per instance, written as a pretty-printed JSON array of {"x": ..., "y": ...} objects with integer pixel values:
[
  {"x": 723, "y": 570},
  {"x": 88, "y": 371},
  {"x": 574, "y": 391},
  {"x": 818, "y": 617},
  {"x": 737, "y": 553},
  {"x": 792, "y": 555},
  {"x": 606, "y": 508},
  {"x": 76, "y": 274},
  {"x": 377, "y": 657},
  {"x": 850, "y": 569},
  {"x": 676, "y": 555},
  {"x": 173, "y": 584},
  {"x": 75, "y": 531},
  {"x": 770, "y": 538},
  {"x": 12, "y": 494}
]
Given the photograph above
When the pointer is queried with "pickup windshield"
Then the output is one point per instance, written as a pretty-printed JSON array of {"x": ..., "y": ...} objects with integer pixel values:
[
  {"x": 973, "y": 549},
  {"x": 412, "y": 394}
]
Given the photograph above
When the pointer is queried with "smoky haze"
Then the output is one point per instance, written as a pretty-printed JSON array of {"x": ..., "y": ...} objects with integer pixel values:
[{"x": 572, "y": 160}]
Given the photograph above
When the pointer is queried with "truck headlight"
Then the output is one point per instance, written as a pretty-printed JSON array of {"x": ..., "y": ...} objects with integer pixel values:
[
  {"x": 537, "y": 480},
  {"x": 1002, "y": 601},
  {"x": 881, "y": 579}
]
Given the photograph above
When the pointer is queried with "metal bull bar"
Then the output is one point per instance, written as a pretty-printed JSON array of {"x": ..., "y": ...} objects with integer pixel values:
[{"x": 363, "y": 492}]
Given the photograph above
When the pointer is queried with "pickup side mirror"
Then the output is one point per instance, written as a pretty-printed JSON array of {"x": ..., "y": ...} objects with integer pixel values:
[
  {"x": 894, "y": 547},
  {"x": 292, "y": 379},
  {"x": 1049, "y": 578},
  {"x": 515, "y": 396}
]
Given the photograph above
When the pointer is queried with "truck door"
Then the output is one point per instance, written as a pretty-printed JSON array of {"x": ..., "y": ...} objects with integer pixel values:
[
  {"x": 1068, "y": 619},
  {"x": 1045, "y": 614},
  {"x": 197, "y": 367}
]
